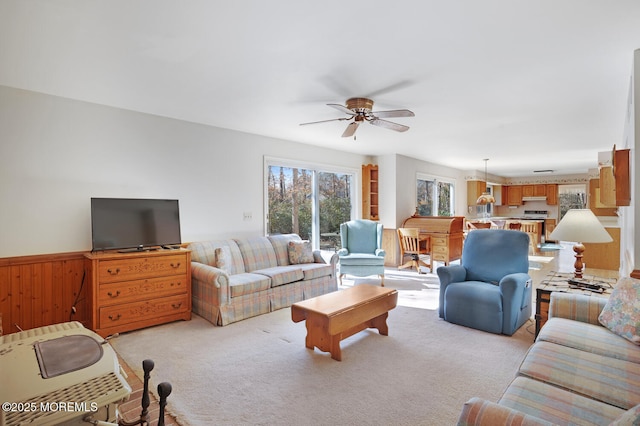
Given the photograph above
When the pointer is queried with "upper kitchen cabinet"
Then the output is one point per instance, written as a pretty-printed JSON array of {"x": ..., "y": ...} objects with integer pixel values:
[
  {"x": 615, "y": 185},
  {"x": 514, "y": 195},
  {"x": 552, "y": 193},
  {"x": 527, "y": 190},
  {"x": 475, "y": 188}
]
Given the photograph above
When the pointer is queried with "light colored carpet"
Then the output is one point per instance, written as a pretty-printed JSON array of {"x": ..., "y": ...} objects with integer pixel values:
[{"x": 258, "y": 371}]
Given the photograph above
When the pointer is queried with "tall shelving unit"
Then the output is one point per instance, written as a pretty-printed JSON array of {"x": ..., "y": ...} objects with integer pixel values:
[{"x": 370, "y": 192}]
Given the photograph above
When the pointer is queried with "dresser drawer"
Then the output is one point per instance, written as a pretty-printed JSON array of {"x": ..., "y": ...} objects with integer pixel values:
[
  {"x": 141, "y": 267},
  {"x": 132, "y": 291},
  {"x": 112, "y": 316}
]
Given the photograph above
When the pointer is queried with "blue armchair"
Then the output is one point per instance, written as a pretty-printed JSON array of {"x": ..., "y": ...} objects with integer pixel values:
[
  {"x": 491, "y": 289},
  {"x": 361, "y": 253}
]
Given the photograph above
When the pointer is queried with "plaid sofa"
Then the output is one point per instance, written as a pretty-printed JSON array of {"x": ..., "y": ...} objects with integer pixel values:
[
  {"x": 576, "y": 373},
  {"x": 236, "y": 279}
]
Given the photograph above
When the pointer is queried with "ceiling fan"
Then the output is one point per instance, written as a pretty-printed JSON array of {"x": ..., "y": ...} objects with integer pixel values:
[{"x": 359, "y": 110}]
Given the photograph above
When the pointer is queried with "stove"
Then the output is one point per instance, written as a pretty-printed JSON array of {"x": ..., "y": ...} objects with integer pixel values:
[{"x": 535, "y": 214}]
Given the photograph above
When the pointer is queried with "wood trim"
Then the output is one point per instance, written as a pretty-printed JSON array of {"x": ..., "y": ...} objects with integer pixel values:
[
  {"x": 41, "y": 290},
  {"x": 40, "y": 258}
]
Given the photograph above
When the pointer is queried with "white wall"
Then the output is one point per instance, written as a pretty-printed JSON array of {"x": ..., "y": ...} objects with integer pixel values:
[
  {"x": 407, "y": 169},
  {"x": 57, "y": 153}
]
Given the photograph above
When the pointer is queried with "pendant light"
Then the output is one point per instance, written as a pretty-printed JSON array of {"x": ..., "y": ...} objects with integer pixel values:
[{"x": 485, "y": 198}]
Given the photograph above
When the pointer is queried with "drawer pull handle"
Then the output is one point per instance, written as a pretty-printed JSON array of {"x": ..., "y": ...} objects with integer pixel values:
[
  {"x": 116, "y": 272},
  {"x": 114, "y": 295},
  {"x": 175, "y": 265},
  {"x": 176, "y": 305},
  {"x": 116, "y": 318}
]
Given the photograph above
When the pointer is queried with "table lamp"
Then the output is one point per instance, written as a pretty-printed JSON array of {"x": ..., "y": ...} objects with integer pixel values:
[{"x": 580, "y": 226}]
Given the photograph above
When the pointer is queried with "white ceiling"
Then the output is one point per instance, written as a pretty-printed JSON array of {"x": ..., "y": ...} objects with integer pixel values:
[{"x": 529, "y": 84}]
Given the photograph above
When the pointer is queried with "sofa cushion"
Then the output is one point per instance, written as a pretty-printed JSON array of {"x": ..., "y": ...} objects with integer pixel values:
[
  {"x": 556, "y": 405},
  {"x": 257, "y": 253},
  {"x": 360, "y": 259},
  {"x": 631, "y": 417},
  {"x": 300, "y": 252},
  {"x": 280, "y": 275},
  {"x": 315, "y": 270},
  {"x": 247, "y": 283},
  {"x": 588, "y": 337},
  {"x": 621, "y": 314},
  {"x": 280, "y": 245},
  {"x": 612, "y": 381}
]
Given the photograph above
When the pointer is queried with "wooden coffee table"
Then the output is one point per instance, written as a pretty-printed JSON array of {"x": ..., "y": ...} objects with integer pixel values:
[{"x": 335, "y": 316}]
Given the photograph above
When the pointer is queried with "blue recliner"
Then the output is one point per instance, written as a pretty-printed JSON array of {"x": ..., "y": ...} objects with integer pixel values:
[
  {"x": 491, "y": 289},
  {"x": 361, "y": 253}
]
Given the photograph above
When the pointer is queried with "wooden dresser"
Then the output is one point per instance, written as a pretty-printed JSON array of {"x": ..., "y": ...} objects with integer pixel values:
[
  {"x": 445, "y": 234},
  {"x": 136, "y": 290}
]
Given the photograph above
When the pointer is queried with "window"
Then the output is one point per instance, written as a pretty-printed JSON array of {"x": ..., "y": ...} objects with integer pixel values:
[
  {"x": 571, "y": 197},
  {"x": 308, "y": 201},
  {"x": 434, "y": 196}
]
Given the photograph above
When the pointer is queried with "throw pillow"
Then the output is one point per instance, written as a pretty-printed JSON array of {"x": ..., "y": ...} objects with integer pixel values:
[
  {"x": 621, "y": 314},
  {"x": 300, "y": 252},
  {"x": 223, "y": 258}
]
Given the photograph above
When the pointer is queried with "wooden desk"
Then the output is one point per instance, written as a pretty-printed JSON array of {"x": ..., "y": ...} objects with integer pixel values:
[
  {"x": 335, "y": 316},
  {"x": 445, "y": 234}
]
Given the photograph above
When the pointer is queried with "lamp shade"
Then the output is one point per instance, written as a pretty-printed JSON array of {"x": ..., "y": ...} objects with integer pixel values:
[{"x": 580, "y": 225}]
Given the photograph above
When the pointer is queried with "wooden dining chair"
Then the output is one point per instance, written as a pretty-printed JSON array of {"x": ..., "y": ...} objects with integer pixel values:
[
  {"x": 514, "y": 226},
  {"x": 478, "y": 225},
  {"x": 410, "y": 245},
  {"x": 531, "y": 229}
]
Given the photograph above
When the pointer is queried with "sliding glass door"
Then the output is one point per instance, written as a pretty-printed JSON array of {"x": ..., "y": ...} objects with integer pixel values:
[{"x": 308, "y": 201}]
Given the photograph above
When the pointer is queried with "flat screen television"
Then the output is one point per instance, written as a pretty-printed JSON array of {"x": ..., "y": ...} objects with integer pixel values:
[{"x": 129, "y": 224}]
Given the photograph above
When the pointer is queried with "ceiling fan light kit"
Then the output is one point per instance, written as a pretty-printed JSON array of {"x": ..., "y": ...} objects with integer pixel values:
[{"x": 360, "y": 110}]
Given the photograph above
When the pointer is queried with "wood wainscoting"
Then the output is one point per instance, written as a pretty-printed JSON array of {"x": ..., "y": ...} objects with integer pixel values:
[{"x": 42, "y": 290}]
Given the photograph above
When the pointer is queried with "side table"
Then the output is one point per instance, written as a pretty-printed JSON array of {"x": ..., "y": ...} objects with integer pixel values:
[{"x": 558, "y": 281}]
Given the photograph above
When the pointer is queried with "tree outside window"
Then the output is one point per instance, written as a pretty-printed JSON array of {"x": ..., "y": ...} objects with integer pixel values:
[
  {"x": 310, "y": 203},
  {"x": 434, "y": 197}
]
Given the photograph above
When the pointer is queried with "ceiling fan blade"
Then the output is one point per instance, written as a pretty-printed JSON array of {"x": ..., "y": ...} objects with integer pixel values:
[
  {"x": 342, "y": 108},
  {"x": 351, "y": 129},
  {"x": 391, "y": 88},
  {"x": 325, "y": 121},
  {"x": 394, "y": 113},
  {"x": 389, "y": 125}
]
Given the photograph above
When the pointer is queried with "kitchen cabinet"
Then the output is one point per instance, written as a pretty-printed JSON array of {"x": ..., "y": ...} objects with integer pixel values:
[
  {"x": 615, "y": 185},
  {"x": 537, "y": 190},
  {"x": 552, "y": 194},
  {"x": 514, "y": 195},
  {"x": 527, "y": 190},
  {"x": 595, "y": 205},
  {"x": 475, "y": 188}
]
